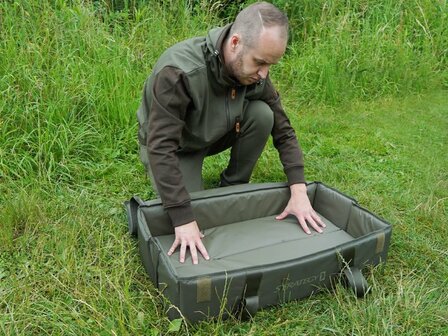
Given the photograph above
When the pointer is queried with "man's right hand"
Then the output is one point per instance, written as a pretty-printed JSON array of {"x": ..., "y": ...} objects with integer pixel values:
[{"x": 188, "y": 235}]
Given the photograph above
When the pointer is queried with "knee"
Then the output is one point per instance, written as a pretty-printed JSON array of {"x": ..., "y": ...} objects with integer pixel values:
[{"x": 259, "y": 115}]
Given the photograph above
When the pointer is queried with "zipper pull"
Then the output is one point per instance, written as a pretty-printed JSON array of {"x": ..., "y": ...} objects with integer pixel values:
[
  {"x": 233, "y": 93},
  {"x": 237, "y": 126}
]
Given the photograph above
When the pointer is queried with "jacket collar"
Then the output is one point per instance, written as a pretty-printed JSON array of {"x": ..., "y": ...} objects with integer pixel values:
[{"x": 214, "y": 56}]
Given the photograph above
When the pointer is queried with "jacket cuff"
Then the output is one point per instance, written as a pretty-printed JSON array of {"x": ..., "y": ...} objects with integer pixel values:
[
  {"x": 180, "y": 215},
  {"x": 295, "y": 175}
]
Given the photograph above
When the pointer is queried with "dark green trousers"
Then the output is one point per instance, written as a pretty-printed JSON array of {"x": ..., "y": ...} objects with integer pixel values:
[{"x": 246, "y": 147}]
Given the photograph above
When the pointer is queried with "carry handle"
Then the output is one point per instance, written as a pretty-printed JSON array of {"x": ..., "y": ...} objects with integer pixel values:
[
  {"x": 131, "y": 211},
  {"x": 250, "y": 302}
]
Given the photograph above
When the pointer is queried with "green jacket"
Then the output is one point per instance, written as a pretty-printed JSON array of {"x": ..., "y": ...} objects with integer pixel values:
[{"x": 189, "y": 102}]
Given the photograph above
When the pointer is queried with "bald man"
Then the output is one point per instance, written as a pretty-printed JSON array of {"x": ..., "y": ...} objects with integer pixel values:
[{"x": 207, "y": 94}]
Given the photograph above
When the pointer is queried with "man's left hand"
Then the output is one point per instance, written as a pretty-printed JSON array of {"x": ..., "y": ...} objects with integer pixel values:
[{"x": 299, "y": 205}]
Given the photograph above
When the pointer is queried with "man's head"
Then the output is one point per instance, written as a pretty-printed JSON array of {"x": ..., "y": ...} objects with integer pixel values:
[{"x": 257, "y": 40}]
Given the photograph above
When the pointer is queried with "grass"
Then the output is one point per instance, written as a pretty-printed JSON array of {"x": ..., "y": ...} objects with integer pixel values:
[{"x": 70, "y": 81}]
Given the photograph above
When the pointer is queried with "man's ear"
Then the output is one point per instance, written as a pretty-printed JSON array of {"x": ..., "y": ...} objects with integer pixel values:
[{"x": 235, "y": 41}]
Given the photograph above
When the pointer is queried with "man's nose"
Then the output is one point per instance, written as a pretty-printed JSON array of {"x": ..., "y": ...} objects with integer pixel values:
[{"x": 263, "y": 71}]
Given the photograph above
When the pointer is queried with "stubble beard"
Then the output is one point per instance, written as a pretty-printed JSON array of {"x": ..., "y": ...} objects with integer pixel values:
[{"x": 235, "y": 67}]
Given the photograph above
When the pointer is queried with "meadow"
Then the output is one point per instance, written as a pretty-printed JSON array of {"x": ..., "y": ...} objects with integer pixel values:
[{"x": 365, "y": 84}]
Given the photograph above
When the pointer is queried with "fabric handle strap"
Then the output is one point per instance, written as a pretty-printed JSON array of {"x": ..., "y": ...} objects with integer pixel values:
[
  {"x": 250, "y": 303},
  {"x": 131, "y": 211},
  {"x": 352, "y": 275}
]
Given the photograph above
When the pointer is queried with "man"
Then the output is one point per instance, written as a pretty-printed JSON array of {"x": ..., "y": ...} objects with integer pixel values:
[{"x": 211, "y": 93}]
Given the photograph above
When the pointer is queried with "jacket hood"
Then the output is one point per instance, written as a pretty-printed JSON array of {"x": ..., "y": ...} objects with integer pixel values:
[{"x": 214, "y": 58}]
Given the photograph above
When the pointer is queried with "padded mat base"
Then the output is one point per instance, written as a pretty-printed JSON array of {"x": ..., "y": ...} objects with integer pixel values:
[{"x": 252, "y": 243}]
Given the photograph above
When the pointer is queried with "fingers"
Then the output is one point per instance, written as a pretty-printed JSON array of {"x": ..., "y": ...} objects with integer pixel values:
[
  {"x": 318, "y": 219},
  {"x": 183, "y": 249},
  {"x": 302, "y": 223},
  {"x": 193, "y": 247},
  {"x": 283, "y": 215},
  {"x": 173, "y": 247},
  {"x": 194, "y": 254},
  {"x": 311, "y": 218},
  {"x": 203, "y": 250},
  {"x": 313, "y": 224}
]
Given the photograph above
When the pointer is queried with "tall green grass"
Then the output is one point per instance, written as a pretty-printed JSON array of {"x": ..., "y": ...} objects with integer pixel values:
[
  {"x": 74, "y": 71},
  {"x": 357, "y": 81},
  {"x": 71, "y": 78},
  {"x": 344, "y": 50}
]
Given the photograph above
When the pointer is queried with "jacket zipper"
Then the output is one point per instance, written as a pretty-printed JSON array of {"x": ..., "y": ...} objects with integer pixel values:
[
  {"x": 227, "y": 110},
  {"x": 237, "y": 119}
]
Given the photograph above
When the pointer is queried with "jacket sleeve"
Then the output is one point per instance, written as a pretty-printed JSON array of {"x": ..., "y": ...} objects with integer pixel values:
[
  {"x": 284, "y": 137},
  {"x": 167, "y": 111}
]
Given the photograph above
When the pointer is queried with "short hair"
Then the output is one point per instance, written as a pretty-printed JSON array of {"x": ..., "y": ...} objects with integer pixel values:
[{"x": 253, "y": 19}]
